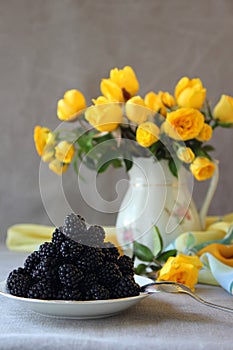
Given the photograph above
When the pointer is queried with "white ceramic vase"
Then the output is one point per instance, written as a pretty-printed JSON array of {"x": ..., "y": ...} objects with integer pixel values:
[{"x": 156, "y": 197}]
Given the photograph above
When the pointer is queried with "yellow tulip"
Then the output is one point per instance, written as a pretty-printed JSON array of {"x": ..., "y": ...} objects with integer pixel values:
[
  {"x": 64, "y": 152},
  {"x": 69, "y": 107},
  {"x": 185, "y": 154},
  {"x": 205, "y": 133},
  {"x": 147, "y": 134},
  {"x": 136, "y": 110},
  {"x": 202, "y": 168},
  {"x": 41, "y": 136},
  {"x": 58, "y": 167},
  {"x": 190, "y": 93},
  {"x": 104, "y": 117},
  {"x": 223, "y": 111},
  {"x": 182, "y": 269},
  {"x": 184, "y": 124}
]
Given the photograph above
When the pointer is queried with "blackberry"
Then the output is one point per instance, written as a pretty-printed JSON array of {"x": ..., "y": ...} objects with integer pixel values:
[
  {"x": 97, "y": 292},
  {"x": 126, "y": 265},
  {"x": 110, "y": 274},
  {"x": 126, "y": 287},
  {"x": 70, "y": 276},
  {"x": 42, "y": 290},
  {"x": 70, "y": 250},
  {"x": 110, "y": 252},
  {"x": 18, "y": 282},
  {"x": 74, "y": 225},
  {"x": 31, "y": 261},
  {"x": 47, "y": 270},
  {"x": 95, "y": 235},
  {"x": 68, "y": 294},
  {"x": 58, "y": 237},
  {"x": 48, "y": 250},
  {"x": 88, "y": 281},
  {"x": 91, "y": 259}
]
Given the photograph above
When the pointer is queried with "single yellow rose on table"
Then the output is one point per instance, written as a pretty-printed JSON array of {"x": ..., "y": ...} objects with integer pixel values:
[
  {"x": 182, "y": 269},
  {"x": 58, "y": 167},
  {"x": 147, "y": 134},
  {"x": 185, "y": 154},
  {"x": 202, "y": 168},
  {"x": 190, "y": 93},
  {"x": 104, "y": 117},
  {"x": 205, "y": 133},
  {"x": 64, "y": 152},
  {"x": 69, "y": 107},
  {"x": 184, "y": 124},
  {"x": 121, "y": 84},
  {"x": 136, "y": 110},
  {"x": 223, "y": 111}
]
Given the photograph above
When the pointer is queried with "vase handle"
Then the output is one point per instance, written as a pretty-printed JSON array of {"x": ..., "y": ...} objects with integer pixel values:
[{"x": 210, "y": 193}]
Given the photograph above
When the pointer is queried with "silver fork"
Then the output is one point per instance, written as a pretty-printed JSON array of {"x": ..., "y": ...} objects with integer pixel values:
[{"x": 175, "y": 287}]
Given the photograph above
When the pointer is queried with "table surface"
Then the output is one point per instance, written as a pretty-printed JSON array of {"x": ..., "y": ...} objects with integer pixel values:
[{"x": 161, "y": 321}]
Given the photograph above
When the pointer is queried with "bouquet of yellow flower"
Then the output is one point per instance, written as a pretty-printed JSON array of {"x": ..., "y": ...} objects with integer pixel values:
[{"x": 174, "y": 127}]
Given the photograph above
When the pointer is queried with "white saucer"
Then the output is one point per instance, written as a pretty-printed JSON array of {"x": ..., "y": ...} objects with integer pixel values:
[{"x": 78, "y": 309}]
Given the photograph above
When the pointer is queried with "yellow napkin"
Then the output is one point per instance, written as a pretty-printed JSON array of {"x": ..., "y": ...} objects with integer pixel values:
[{"x": 28, "y": 237}]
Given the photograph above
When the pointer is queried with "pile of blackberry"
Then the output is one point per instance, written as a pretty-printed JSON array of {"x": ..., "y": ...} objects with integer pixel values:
[{"x": 76, "y": 265}]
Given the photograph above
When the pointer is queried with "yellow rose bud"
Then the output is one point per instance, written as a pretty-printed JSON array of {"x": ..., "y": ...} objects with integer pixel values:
[
  {"x": 48, "y": 155},
  {"x": 223, "y": 111},
  {"x": 111, "y": 90},
  {"x": 58, "y": 167},
  {"x": 153, "y": 101},
  {"x": 126, "y": 79},
  {"x": 182, "y": 269},
  {"x": 104, "y": 117},
  {"x": 147, "y": 134},
  {"x": 205, "y": 133},
  {"x": 100, "y": 100},
  {"x": 184, "y": 124},
  {"x": 136, "y": 110},
  {"x": 167, "y": 99},
  {"x": 72, "y": 103},
  {"x": 185, "y": 154},
  {"x": 190, "y": 93},
  {"x": 64, "y": 152},
  {"x": 202, "y": 168},
  {"x": 41, "y": 136}
]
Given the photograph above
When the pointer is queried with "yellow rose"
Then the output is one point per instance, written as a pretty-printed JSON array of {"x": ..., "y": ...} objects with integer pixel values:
[
  {"x": 147, "y": 134},
  {"x": 190, "y": 93},
  {"x": 185, "y": 154},
  {"x": 100, "y": 100},
  {"x": 202, "y": 168},
  {"x": 136, "y": 110},
  {"x": 167, "y": 99},
  {"x": 64, "y": 152},
  {"x": 104, "y": 117},
  {"x": 41, "y": 136},
  {"x": 49, "y": 150},
  {"x": 58, "y": 167},
  {"x": 72, "y": 103},
  {"x": 205, "y": 133},
  {"x": 182, "y": 269},
  {"x": 126, "y": 79},
  {"x": 121, "y": 85},
  {"x": 111, "y": 91},
  {"x": 223, "y": 111},
  {"x": 153, "y": 101},
  {"x": 184, "y": 124}
]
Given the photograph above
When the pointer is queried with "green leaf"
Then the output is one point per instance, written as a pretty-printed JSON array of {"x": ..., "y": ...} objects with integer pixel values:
[
  {"x": 225, "y": 125},
  {"x": 142, "y": 252},
  {"x": 158, "y": 241},
  {"x": 128, "y": 164},
  {"x": 208, "y": 148},
  {"x": 173, "y": 167},
  {"x": 155, "y": 267},
  {"x": 140, "y": 269},
  {"x": 165, "y": 255}
]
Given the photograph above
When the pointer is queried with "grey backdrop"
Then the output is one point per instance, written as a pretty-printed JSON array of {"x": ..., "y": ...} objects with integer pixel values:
[{"x": 48, "y": 46}]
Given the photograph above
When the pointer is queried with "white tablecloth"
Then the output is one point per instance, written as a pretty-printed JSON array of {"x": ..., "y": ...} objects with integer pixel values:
[{"x": 162, "y": 321}]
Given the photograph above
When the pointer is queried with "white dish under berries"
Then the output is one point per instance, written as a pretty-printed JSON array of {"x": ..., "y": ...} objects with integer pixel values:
[{"x": 78, "y": 309}]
